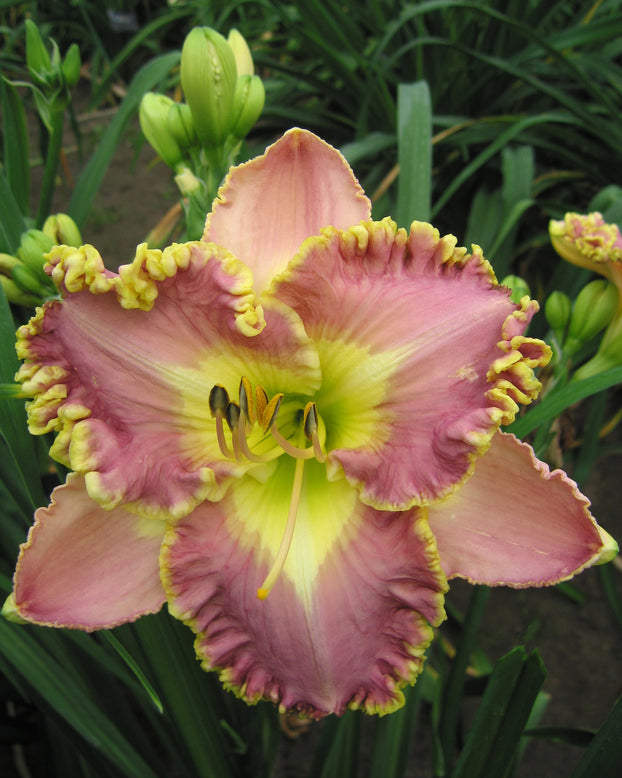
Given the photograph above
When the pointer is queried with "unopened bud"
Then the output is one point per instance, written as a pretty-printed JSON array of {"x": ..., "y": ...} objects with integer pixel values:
[
  {"x": 180, "y": 125},
  {"x": 27, "y": 282},
  {"x": 71, "y": 66},
  {"x": 250, "y": 97},
  {"x": 557, "y": 310},
  {"x": 17, "y": 296},
  {"x": 208, "y": 77},
  {"x": 37, "y": 56},
  {"x": 62, "y": 230},
  {"x": 7, "y": 263},
  {"x": 187, "y": 182},
  {"x": 592, "y": 311},
  {"x": 153, "y": 115},
  {"x": 241, "y": 52},
  {"x": 33, "y": 245}
]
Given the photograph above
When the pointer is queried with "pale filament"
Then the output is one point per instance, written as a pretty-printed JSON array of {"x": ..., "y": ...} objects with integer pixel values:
[{"x": 220, "y": 435}]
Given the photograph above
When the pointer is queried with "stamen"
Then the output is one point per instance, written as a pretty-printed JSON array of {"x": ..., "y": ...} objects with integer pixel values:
[
  {"x": 218, "y": 402},
  {"x": 244, "y": 449},
  {"x": 232, "y": 414},
  {"x": 220, "y": 436},
  {"x": 311, "y": 428},
  {"x": 286, "y": 541},
  {"x": 271, "y": 411},
  {"x": 269, "y": 419},
  {"x": 246, "y": 400},
  {"x": 261, "y": 402},
  {"x": 241, "y": 420},
  {"x": 288, "y": 448}
]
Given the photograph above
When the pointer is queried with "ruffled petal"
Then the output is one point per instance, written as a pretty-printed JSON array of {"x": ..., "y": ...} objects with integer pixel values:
[
  {"x": 122, "y": 369},
  {"x": 268, "y": 206},
  {"x": 345, "y": 625},
  {"x": 515, "y": 522},
  {"x": 87, "y": 568},
  {"x": 422, "y": 356}
]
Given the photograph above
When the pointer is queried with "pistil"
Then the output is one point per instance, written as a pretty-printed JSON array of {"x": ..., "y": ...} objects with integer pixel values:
[{"x": 288, "y": 534}]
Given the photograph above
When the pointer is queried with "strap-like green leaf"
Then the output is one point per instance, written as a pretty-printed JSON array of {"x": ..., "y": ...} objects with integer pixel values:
[
  {"x": 394, "y": 737},
  {"x": 13, "y": 427},
  {"x": 15, "y": 144},
  {"x": 553, "y": 405},
  {"x": 11, "y": 221},
  {"x": 604, "y": 755},
  {"x": 501, "y": 717},
  {"x": 414, "y": 153},
  {"x": 53, "y": 684}
]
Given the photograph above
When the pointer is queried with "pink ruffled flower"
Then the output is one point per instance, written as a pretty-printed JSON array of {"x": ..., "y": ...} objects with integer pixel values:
[{"x": 289, "y": 432}]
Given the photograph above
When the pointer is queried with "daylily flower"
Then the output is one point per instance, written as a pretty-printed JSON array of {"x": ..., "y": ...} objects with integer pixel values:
[
  {"x": 289, "y": 431},
  {"x": 588, "y": 241}
]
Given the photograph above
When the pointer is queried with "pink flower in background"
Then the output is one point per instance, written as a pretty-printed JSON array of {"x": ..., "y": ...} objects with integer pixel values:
[{"x": 289, "y": 432}]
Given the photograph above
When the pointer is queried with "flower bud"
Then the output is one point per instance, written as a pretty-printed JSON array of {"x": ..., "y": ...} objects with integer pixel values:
[
  {"x": 37, "y": 56},
  {"x": 592, "y": 311},
  {"x": 15, "y": 295},
  {"x": 179, "y": 123},
  {"x": 250, "y": 96},
  {"x": 187, "y": 182},
  {"x": 208, "y": 77},
  {"x": 33, "y": 245},
  {"x": 557, "y": 310},
  {"x": 241, "y": 52},
  {"x": 518, "y": 287},
  {"x": 153, "y": 114},
  {"x": 71, "y": 66},
  {"x": 61, "y": 229},
  {"x": 7, "y": 263},
  {"x": 27, "y": 282}
]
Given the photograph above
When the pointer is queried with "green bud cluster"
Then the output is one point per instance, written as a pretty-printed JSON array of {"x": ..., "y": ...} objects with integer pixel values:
[
  {"x": 591, "y": 312},
  {"x": 223, "y": 97},
  {"x": 53, "y": 77},
  {"x": 574, "y": 324},
  {"x": 23, "y": 278}
]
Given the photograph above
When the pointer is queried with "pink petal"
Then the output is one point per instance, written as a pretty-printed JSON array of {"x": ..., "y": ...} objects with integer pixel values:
[
  {"x": 124, "y": 374},
  {"x": 87, "y": 568},
  {"x": 350, "y": 635},
  {"x": 515, "y": 522},
  {"x": 422, "y": 356},
  {"x": 268, "y": 206}
]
